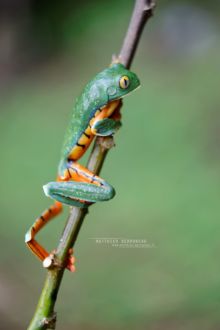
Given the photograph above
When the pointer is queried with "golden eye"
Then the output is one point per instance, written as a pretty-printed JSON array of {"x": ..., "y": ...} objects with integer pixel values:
[{"x": 124, "y": 82}]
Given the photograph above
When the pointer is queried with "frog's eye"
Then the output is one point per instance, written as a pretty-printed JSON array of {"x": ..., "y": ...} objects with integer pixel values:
[{"x": 124, "y": 82}]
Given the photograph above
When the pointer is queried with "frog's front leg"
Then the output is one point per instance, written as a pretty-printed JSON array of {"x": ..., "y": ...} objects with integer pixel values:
[
  {"x": 79, "y": 187},
  {"x": 105, "y": 127}
]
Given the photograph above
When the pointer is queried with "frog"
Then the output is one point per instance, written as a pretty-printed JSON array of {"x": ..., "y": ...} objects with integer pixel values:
[{"x": 94, "y": 114}]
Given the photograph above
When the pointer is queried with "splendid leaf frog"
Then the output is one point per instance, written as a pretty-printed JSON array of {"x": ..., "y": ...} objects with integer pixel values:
[{"x": 94, "y": 114}]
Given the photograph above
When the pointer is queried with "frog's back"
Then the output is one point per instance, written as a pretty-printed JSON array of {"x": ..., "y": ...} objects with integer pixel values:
[
  {"x": 84, "y": 109},
  {"x": 103, "y": 88}
]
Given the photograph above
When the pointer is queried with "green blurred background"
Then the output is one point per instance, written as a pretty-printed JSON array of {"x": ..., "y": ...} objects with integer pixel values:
[{"x": 165, "y": 167}]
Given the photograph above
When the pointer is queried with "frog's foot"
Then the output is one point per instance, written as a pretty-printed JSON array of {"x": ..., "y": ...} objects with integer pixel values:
[
  {"x": 50, "y": 261},
  {"x": 71, "y": 262}
]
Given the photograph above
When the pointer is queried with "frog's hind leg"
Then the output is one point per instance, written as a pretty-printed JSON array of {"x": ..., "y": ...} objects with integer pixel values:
[
  {"x": 39, "y": 223},
  {"x": 79, "y": 187}
]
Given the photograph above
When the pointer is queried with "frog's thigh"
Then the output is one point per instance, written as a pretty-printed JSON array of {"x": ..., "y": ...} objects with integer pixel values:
[{"x": 78, "y": 193}]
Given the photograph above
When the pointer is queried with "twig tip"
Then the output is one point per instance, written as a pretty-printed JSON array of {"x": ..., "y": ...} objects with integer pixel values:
[{"x": 150, "y": 5}]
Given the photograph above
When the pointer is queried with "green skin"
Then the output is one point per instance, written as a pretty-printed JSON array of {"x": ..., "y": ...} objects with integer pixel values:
[{"x": 101, "y": 90}]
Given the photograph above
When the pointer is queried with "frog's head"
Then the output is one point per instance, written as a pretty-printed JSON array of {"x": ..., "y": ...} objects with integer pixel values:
[{"x": 118, "y": 81}]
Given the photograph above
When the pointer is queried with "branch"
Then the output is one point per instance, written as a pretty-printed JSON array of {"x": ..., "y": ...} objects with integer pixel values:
[
  {"x": 45, "y": 317},
  {"x": 143, "y": 10}
]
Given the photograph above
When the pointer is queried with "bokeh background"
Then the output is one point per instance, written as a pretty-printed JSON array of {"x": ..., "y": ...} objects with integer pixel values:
[{"x": 165, "y": 167}]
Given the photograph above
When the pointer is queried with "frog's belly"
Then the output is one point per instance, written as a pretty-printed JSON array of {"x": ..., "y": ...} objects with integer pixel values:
[
  {"x": 87, "y": 136},
  {"x": 82, "y": 145}
]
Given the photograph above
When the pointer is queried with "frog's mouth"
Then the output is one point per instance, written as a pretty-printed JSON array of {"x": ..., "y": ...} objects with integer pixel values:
[
  {"x": 130, "y": 92},
  {"x": 122, "y": 96},
  {"x": 111, "y": 106},
  {"x": 119, "y": 98}
]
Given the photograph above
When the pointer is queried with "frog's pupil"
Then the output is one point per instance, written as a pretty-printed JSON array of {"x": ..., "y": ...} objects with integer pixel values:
[{"x": 124, "y": 82}]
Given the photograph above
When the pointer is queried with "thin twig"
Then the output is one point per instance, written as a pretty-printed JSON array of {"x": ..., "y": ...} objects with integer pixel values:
[
  {"x": 45, "y": 317},
  {"x": 143, "y": 10}
]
